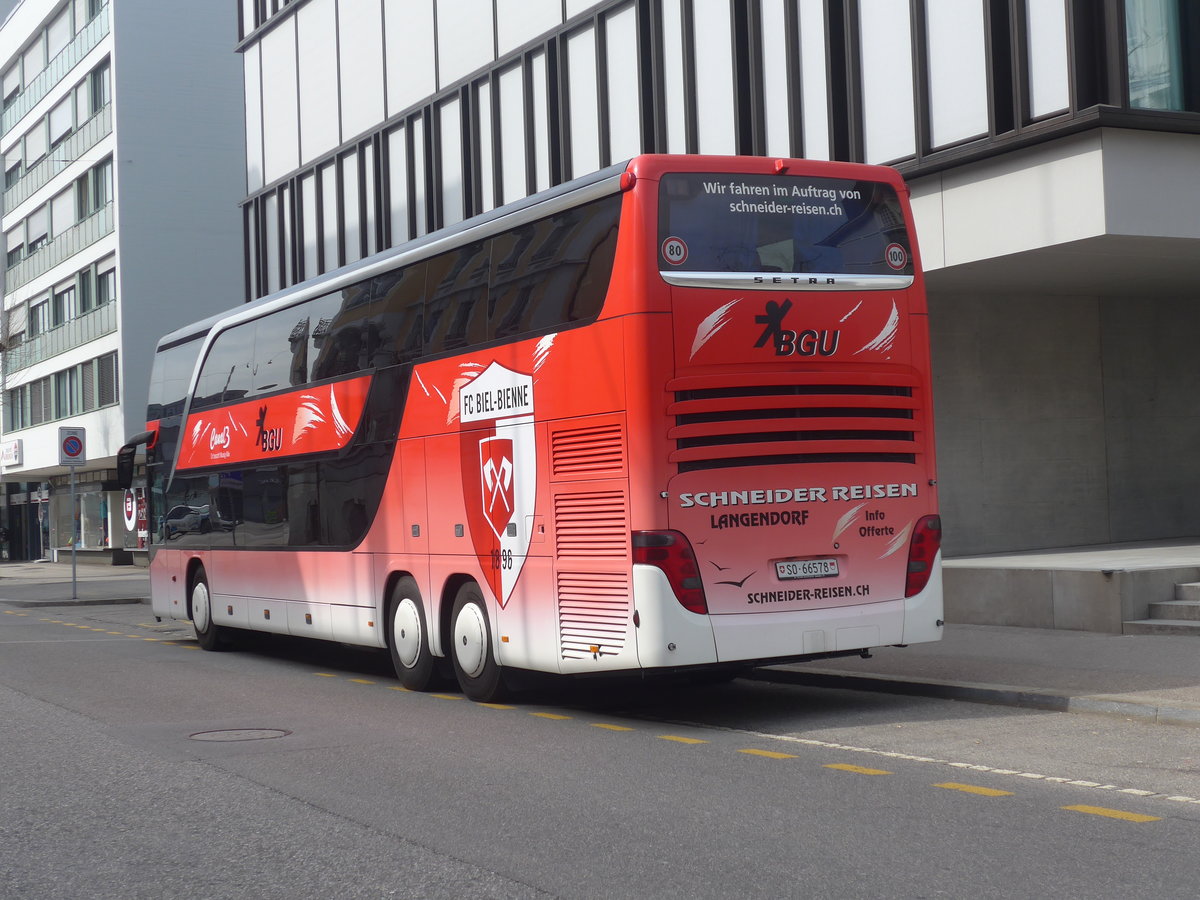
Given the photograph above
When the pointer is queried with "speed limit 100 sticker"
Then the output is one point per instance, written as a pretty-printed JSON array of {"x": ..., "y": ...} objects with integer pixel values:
[
  {"x": 896, "y": 256},
  {"x": 674, "y": 251}
]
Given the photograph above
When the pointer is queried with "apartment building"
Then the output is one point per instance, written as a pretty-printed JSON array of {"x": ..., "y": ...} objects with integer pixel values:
[
  {"x": 1052, "y": 148},
  {"x": 123, "y": 158}
]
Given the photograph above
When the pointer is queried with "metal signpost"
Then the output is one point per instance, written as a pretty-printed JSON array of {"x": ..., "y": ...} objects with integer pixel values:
[{"x": 72, "y": 452}]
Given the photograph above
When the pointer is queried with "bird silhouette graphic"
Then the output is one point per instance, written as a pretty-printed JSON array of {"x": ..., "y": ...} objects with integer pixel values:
[{"x": 736, "y": 583}]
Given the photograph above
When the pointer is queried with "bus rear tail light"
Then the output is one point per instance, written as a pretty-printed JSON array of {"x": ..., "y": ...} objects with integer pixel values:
[
  {"x": 671, "y": 552},
  {"x": 926, "y": 541}
]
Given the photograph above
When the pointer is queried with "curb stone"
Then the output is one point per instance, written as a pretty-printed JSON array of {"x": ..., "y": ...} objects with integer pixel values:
[{"x": 999, "y": 695}]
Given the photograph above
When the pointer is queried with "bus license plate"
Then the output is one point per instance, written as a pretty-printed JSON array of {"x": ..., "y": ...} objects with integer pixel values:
[{"x": 789, "y": 569}]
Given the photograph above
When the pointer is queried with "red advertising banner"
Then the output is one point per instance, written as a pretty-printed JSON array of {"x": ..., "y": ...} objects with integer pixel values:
[{"x": 307, "y": 421}]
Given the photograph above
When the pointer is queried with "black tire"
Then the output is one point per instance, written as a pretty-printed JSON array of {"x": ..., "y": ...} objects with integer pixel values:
[
  {"x": 408, "y": 637},
  {"x": 471, "y": 647},
  {"x": 209, "y": 635}
]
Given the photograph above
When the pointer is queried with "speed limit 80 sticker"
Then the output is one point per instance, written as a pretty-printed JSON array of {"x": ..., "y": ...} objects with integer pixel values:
[{"x": 674, "y": 251}]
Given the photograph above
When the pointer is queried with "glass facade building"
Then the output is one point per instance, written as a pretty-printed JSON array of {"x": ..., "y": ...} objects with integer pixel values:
[
  {"x": 115, "y": 183},
  {"x": 1050, "y": 147}
]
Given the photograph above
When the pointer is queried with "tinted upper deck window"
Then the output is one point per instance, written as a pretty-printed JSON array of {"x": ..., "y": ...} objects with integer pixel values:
[{"x": 780, "y": 223}]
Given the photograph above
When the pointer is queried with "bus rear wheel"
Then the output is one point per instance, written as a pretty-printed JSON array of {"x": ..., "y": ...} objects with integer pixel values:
[
  {"x": 475, "y": 664},
  {"x": 209, "y": 635},
  {"x": 408, "y": 637}
]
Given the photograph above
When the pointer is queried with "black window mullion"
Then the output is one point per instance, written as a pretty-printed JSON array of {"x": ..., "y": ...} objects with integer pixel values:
[
  {"x": 363, "y": 212},
  {"x": 795, "y": 83},
  {"x": 433, "y": 163},
  {"x": 997, "y": 26},
  {"x": 1020, "y": 62},
  {"x": 530, "y": 127},
  {"x": 749, "y": 112},
  {"x": 690, "y": 115},
  {"x": 410, "y": 177},
  {"x": 497, "y": 156},
  {"x": 651, "y": 49},
  {"x": 280, "y": 220},
  {"x": 564, "y": 115},
  {"x": 554, "y": 147},
  {"x": 922, "y": 124},
  {"x": 432, "y": 200},
  {"x": 844, "y": 79}
]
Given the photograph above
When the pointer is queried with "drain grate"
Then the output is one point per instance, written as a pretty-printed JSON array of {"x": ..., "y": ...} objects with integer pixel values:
[{"x": 240, "y": 734}]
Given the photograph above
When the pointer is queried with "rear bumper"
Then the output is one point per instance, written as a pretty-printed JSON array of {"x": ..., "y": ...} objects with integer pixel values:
[{"x": 668, "y": 636}]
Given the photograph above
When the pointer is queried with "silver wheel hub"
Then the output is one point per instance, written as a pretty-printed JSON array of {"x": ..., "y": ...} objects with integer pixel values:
[
  {"x": 470, "y": 640},
  {"x": 406, "y": 632},
  {"x": 201, "y": 613}
]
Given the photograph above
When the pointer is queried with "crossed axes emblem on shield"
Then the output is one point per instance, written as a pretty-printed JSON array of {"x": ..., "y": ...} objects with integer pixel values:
[{"x": 497, "y": 469}]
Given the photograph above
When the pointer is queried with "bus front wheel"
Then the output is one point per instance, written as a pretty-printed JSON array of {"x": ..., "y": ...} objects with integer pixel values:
[
  {"x": 209, "y": 635},
  {"x": 474, "y": 662},
  {"x": 408, "y": 638}
]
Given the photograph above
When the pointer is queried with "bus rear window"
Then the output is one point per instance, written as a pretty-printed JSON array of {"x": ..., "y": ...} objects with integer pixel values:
[{"x": 780, "y": 223}]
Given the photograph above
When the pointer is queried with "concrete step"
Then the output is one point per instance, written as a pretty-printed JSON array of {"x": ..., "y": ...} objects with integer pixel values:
[
  {"x": 1190, "y": 591},
  {"x": 1176, "y": 609},
  {"x": 1162, "y": 626}
]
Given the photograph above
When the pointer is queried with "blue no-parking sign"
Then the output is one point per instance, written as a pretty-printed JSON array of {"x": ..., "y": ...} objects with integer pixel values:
[{"x": 72, "y": 446}]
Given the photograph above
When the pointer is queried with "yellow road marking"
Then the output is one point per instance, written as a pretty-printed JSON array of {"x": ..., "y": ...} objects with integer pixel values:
[
  {"x": 608, "y": 727},
  {"x": 681, "y": 740},
  {"x": 447, "y": 696},
  {"x": 399, "y": 687},
  {"x": 497, "y": 706},
  {"x": 974, "y": 789},
  {"x": 361, "y": 681},
  {"x": 1113, "y": 813},
  {"x": 861, "y": 770},
  {"x": 770, "y": 754},
  {"x": 170, "y": 643},
  {"x": 117, "y": 633},
  {"x": 545, "y": 715},
  {"x": 324, "y": 674}
]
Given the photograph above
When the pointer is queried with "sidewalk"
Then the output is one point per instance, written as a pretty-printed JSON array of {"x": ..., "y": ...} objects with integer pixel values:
[
  {"x": 1152, "y": 678},
  {"x": 33, "y": 584}
]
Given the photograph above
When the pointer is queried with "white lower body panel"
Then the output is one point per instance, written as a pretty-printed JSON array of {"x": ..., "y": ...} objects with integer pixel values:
[{"x": 669, "y": 636}]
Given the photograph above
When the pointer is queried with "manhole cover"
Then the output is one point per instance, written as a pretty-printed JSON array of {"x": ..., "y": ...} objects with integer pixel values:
[{"x": 240, "y": 734}]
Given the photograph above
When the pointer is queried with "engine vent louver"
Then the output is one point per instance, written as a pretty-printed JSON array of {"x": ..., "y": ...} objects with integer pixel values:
[
  {"x": 759, "y": 419},
  {"x": 593, "y": 613},
  {"x": 591, "y": 525},
  {"x": 580, "y": 452}
]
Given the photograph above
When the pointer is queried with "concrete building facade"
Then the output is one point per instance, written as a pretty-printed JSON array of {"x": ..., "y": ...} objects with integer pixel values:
[
  {"x": 123, "y": 168},
  {"x": 1052, "y": 148}
]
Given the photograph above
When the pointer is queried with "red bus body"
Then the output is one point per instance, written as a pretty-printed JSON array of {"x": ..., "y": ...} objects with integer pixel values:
[{"x": 721, "y": 467}]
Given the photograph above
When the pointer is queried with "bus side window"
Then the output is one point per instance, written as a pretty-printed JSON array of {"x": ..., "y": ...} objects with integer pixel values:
[
  {"x": 350, "y": 489},
  {"x": 554, "y": 272},
  {"x": 401, "y": 317},
  {"x": 264, "y": 508},
  {"x": 456, "y": 298},
  {"x": 226, "y": 374}
]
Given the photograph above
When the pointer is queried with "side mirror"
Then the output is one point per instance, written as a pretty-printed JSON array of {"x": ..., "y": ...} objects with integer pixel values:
[{"x": 125, "y": 458}]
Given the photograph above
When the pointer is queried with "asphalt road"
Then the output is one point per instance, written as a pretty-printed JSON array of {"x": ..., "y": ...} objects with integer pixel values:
[{"x": 133, "y": 764}]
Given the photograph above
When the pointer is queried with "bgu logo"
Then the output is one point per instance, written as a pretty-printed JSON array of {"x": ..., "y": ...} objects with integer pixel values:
[
  {"x": 792, "y": 343},
  {"x": 269, "y": 439},
  {"x": 496, "y": 471}
]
